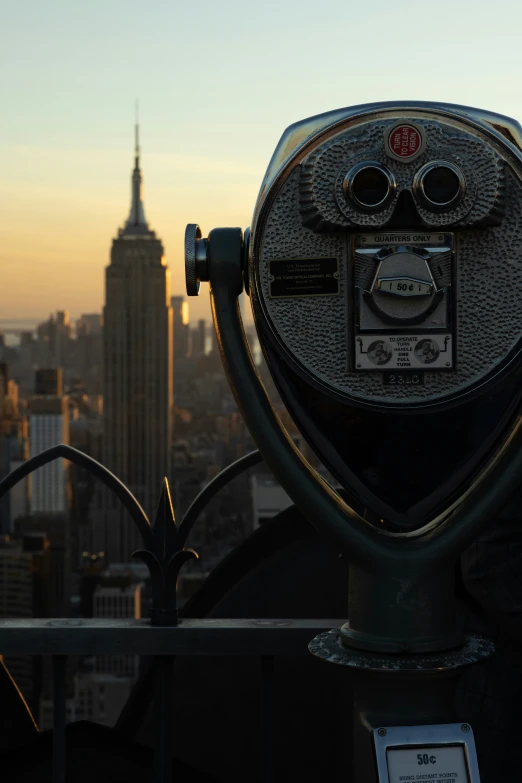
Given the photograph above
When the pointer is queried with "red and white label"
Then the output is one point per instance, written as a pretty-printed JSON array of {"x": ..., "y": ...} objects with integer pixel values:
[{"x": 404, "y": 141}]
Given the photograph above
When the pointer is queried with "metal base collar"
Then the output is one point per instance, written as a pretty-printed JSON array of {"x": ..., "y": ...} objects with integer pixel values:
[{"x": 329, "y": 647}]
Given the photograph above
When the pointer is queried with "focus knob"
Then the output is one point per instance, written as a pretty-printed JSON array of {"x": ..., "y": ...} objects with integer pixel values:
[{"x": 196, "y": 267}]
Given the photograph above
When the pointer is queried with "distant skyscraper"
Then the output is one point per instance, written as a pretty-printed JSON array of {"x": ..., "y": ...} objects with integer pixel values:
[
  {"x": 54, "y": 340},
  {"x": 89, "y": 351},
  {"x": 49, "y": 426},
  {"x": 198, "y": 338},
  {"x": 202, "y": 336},
  {"x": 49, "y": 382},
  {"x": 89, "y": 323},
  {"x": 137, "y": 382},
  {"x": 14, "y": 449},
  {"x": 180, "y": 314},
  {"x": 25, "y": 592},
  {"x": 117, "y": 596}
]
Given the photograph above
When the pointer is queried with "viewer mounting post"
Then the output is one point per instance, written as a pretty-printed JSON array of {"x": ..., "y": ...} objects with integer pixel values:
[{"x": 383, "y": 269}]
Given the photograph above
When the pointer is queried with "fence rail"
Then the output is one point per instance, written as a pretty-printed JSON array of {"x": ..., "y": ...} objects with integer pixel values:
[{"x": 137, "y": 637}]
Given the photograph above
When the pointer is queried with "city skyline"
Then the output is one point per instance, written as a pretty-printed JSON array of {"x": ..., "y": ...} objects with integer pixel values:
[{"x": 209, "y": 122}]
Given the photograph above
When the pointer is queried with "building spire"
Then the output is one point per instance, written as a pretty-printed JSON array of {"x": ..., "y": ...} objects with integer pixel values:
[
  {"x": 136, "y": 223},
  {"x": 137, "y": 133}
]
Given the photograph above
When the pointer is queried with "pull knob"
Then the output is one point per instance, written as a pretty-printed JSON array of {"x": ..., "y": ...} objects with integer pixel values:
[{"x": 196, "y": 266}]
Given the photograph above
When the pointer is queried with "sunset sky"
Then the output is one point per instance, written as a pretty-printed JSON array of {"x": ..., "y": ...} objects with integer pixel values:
[{"x": 217, "y": 84}]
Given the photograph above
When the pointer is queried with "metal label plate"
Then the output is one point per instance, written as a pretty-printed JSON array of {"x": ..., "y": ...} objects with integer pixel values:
[
  {"x": 426, "y": 239},
  {"x": 403, "y": 352},
  {"x": 299, "y": 277},
  {"x": 443, "y": 753},
  {"x": 435, "y": 763}
]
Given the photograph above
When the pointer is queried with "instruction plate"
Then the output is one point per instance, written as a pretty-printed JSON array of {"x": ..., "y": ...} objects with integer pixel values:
[
  {"x": 431, "y": 764},
  {"x": 403, "y": 352},
  {"x": 438, "y": 753}
]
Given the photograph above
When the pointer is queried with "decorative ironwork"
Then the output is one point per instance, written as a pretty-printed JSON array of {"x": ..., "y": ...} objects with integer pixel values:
[
  {"x": 92, "y": 466},
  {"x": 164, "y": 551},
  {"x": 164, "y": 558}
]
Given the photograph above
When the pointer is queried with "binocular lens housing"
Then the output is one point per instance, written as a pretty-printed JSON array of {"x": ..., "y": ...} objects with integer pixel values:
[
  {"x": 384, "y": 273},
  {"x": 370, "y": 185},
  {"x": 439, "y": 185}
]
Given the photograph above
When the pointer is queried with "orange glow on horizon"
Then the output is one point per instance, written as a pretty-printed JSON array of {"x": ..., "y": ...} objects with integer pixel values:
[{"x": 58, "y": 230}]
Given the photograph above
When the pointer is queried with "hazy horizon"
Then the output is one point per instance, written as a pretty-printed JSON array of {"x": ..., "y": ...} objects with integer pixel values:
[{"x": 214, "y": 100}]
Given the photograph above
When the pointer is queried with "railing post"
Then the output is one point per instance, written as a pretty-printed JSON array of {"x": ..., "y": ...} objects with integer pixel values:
[
  {"x": 163, "y": 716},
  {"x": 59, "y": 717},
  {"x": 267, "y": 718}
]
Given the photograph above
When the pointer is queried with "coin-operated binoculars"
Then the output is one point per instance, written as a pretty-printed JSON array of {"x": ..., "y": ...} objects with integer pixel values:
[{"x": 384, "y": 266}]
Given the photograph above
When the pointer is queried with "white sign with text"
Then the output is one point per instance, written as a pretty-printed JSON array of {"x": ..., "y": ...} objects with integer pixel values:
[{"x": 443, "y": 764}]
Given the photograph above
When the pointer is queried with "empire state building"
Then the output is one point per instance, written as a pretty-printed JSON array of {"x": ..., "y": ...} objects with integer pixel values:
[{"x": 137, "y": 391}]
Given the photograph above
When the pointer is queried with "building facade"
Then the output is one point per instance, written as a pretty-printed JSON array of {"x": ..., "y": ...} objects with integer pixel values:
[
  {"x": 88, "y": 357},
  {"x": 49, "y": 426},
  {"x": 117, "y": 596},
  {"x": 14, "y": 450},
  {"x": 180, "y": 316},
  {"x": 137, "y": 368},
  {"x": 25, "y": 592}
]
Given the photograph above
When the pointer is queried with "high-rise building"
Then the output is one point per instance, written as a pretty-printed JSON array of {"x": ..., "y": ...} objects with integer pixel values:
[
  {"x": 62, "y": 340},
  {"x": 89, "y": 323},
  {"x": 49, "y": 426},
  {"x": 199, "y": 339},
  {"x": 202, "y": 336},
  {"x": 137, "y": 374},
  {"x": 14, "y": 449},
  {"x": 180, "y": 315},
  {"x": 25, "y": 592},
  {"x": 182, "y": 363},
  {"x": 100, "y": 695},
  {"x": 54, "y": 340},
  {"x": 89, "y": 352},
  {"x": 99, "y": 698},
  {"x": 117, "y": 596},
  {"x": 49, "y": 382},
  {"x": 57, "y": 529}
]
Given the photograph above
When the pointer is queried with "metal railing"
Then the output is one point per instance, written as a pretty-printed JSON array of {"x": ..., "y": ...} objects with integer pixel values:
[{"x": 165, "y": 635}]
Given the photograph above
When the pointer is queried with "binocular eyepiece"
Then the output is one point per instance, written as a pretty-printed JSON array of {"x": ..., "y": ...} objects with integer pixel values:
[{"x": 437, "y": 185}]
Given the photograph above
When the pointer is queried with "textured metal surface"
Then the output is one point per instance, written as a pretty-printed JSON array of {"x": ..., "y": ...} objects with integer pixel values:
[
  {"x": 329, "y": 647},
  {"x": 489, "y": 315},
  {"x": 192, "y": 234},
  {"x": 138, "y": 637},
  {"x": 325, "y": 168}
]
